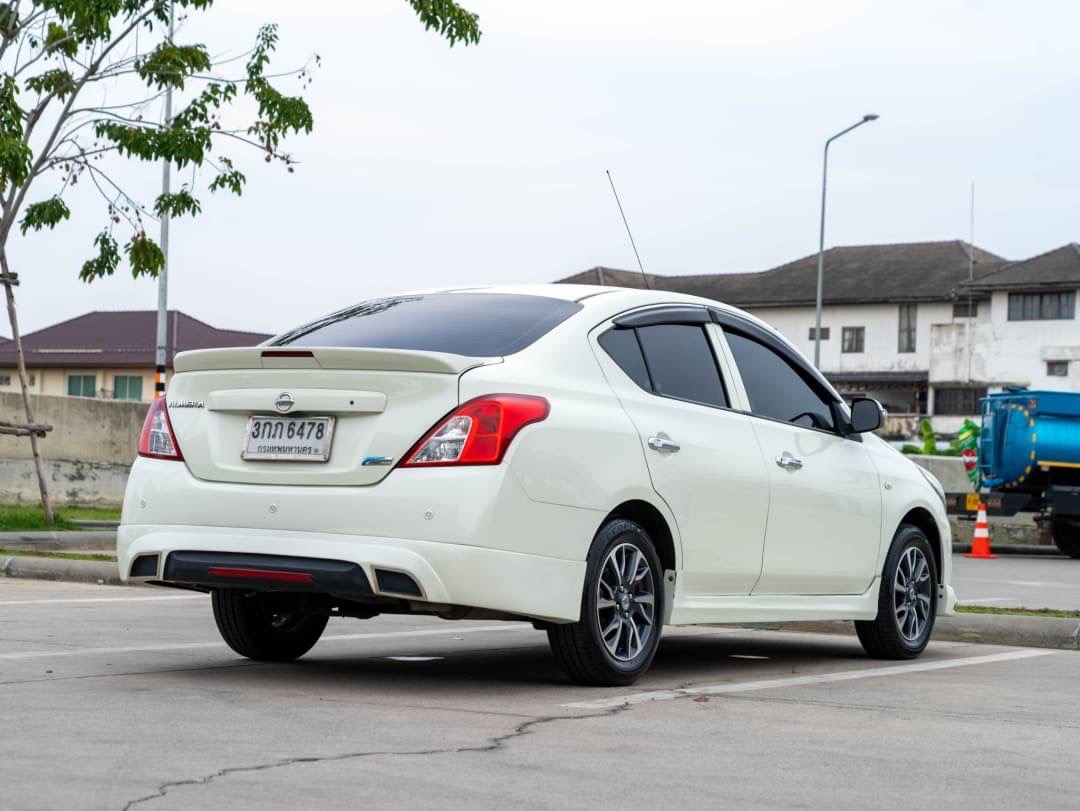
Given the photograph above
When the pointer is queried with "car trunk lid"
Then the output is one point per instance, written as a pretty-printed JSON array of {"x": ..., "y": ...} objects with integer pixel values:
[{"x": 381, "y": 402}]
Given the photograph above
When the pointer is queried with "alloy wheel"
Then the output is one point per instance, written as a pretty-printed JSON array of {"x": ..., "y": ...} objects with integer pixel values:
[
  {"x": 911, "y": 594},
  {"x": 626, "y": 602}
]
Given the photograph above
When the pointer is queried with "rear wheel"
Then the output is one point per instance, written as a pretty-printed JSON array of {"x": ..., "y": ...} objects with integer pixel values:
[
  {"x": 907, "y": 601},
  {"x": 621, "y": 610},
  {"x": 1067, "y": 538},
  {"x": 268, "y": 626}
]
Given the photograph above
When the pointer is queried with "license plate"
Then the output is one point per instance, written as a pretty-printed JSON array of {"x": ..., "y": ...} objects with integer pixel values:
[
  {"x": 287, "y": 439},
  {"x": 972, "y": 504}
]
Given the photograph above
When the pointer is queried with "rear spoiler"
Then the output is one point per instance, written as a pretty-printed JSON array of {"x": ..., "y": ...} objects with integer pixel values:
[{"x": 331, "y": 357}]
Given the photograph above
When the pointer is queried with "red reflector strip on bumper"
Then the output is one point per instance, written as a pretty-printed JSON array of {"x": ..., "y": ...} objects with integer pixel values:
[{"x": 261, "y": 574}]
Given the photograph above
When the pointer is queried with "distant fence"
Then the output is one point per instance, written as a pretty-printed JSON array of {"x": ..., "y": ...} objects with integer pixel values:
[{"x": 88, "y": 453}]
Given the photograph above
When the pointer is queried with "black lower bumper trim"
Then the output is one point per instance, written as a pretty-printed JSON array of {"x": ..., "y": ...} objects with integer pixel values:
[{"x": 266, "y": 573}]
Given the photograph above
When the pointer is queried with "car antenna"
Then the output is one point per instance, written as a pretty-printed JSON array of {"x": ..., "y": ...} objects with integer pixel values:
[{"x": 641, "y": 267}]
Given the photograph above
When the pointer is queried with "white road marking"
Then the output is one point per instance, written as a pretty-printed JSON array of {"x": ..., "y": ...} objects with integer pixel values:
[
  {"x": 991, "y": 600},
  {"x": 799, "y": 681},
  {"x": 183, "y": 646},
  {"x": 106, "y": 599}
]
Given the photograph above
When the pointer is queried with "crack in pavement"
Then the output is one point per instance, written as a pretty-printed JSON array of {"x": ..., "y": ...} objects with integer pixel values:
[{"x": 492, "y": 745}]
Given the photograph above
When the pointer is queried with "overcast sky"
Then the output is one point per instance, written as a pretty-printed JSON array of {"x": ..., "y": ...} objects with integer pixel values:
[{"x": 430, "y": 165}]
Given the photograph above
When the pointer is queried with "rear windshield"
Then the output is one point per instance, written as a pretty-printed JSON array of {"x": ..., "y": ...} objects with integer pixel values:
[{"x": 471, "y": 324}]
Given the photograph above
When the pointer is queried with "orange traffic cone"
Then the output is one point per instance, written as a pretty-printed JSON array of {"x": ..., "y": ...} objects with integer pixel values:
[{"x": 980, "y": 541}]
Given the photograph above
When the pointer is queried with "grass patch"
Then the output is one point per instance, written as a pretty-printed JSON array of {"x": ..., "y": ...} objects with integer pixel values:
[
  {"x": 1018, "y": 612},
  {"x": 90, "y": 513},
  {"x": 60, "y": 555},
  {"x": 27, "y": 518}
]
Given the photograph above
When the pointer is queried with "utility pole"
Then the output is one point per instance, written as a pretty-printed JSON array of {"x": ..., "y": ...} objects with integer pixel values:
[{"x": 163, "y": 278}]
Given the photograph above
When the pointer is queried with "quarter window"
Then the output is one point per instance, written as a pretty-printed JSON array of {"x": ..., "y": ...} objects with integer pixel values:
[
  {"x": 1042, "y": 306},
  {"x": 82, "y": 385},
  {"x": 775, "y": 388},
  {"x": 623, "y": 346},
  {"x": 908, "y": 313},
  {"x": 853, "y": 339}
]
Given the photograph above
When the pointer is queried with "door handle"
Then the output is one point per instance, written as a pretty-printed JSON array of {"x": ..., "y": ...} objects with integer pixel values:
[
  {"x": 789, "y": 462},
  {"x": 658, "y": 443}
]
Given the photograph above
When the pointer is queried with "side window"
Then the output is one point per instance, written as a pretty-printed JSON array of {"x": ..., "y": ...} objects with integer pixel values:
[
  {"x": 622, "y": 345},
  {"x": 775, "y": 389},
  {"x": 672, "y": 360},
  {"x": 681, "y": 363}
]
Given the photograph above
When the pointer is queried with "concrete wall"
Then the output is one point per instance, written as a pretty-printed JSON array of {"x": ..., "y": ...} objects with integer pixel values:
[{"x": 88, "y": 452}]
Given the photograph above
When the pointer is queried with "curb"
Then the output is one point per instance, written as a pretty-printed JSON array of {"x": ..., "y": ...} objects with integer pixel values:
[
  {"x": 74, "y": 541},
  {"x": 1061, "y": 633},
  {"x": 78, "y": 571}
]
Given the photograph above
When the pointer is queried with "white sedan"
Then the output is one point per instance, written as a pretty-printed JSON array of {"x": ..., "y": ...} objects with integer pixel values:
[{"x": 600, "y": 461}]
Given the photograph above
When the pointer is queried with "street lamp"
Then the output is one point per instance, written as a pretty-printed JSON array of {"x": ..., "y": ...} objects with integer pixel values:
[{"x": 821, "y": 242}]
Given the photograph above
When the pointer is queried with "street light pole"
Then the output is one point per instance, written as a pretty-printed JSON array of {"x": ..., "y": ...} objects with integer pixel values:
[
  {"x": 821, "y": 237},
  {"x": 161, "y": 354}
]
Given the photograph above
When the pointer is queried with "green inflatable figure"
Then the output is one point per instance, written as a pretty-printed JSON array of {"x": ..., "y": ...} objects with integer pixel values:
[{"x": 967, "y": 441}]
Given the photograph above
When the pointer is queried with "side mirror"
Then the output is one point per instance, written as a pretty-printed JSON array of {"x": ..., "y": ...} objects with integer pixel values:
[{"x": 866, "y": 415}]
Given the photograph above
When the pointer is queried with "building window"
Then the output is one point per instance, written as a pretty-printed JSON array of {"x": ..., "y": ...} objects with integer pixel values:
[
  {"x": 5, "y": 380},
  {"x": 127, "y": 387},
  {"x": 1042, "y": 306},
  {"x": 957, "y": 402},
  {"x": 853, "y": 339},
  {"x": 32, "y": 381},
  {"x": 907, "y": 327},
  {"x": 965, "y": 309},
  {"x": 824, "y": 333},
  {"x": 1057, "y": 368},
  {"x": 82, "y": 385}
]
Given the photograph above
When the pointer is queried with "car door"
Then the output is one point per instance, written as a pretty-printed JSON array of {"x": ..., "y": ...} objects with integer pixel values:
[
  {"x": 824, "y": 524},
  {"x": 702, "y": 456}
]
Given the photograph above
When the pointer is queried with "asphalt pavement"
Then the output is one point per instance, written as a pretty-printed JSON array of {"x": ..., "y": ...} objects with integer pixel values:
[
  {"x": 1017, "y": 581},
  {"x": 125, "y": 698}
]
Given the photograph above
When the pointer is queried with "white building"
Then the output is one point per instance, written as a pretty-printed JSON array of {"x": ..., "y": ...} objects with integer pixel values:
[{"x": 904, "y": 323}]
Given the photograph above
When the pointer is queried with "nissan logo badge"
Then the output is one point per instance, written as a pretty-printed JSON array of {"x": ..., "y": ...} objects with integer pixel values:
[{"x": 284, "y": 402}]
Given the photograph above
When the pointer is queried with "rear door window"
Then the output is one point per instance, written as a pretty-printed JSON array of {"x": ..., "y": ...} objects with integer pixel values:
[
  {"x": 470, "y": 324},
  {"x": 671, "y": 360},
  {"x": 776, "y": 390}
]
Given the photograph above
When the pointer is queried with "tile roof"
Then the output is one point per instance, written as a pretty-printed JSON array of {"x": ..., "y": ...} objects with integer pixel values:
[
  {"x": 119, "y": 338},
  {"x": 914, "y": 271},
  {"x": 1055, "y": 268}
]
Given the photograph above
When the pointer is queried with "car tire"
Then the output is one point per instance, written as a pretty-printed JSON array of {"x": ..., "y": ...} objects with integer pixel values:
[
  {"x": 268, "y": 626},
  {"x": 1067, "y": 538},
  {"x": 907, "y": 600},
  {"x": 622, "y": 602}
]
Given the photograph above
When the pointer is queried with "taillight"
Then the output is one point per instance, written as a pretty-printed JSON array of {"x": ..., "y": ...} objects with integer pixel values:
[
  {"x": 157, "y": 440},
  {"x": 479, "y": 432}
]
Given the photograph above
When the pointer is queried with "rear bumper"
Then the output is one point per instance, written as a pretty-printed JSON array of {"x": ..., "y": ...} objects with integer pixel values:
[{"x": 453, "y": 574}]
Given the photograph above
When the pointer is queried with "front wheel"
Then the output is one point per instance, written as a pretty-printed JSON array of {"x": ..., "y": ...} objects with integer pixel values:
[
  {"x": 268, "y": 626},
  {"x": 616, "y": 637},
  {"x": 907, "y": 602},
  {"x": 1067, "y": 538}
]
